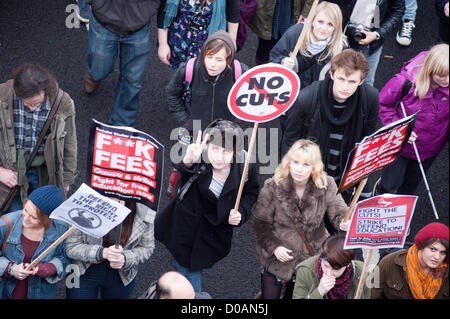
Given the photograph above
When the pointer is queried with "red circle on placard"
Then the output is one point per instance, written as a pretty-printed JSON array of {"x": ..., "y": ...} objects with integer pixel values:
[{"x": 281, "y": 108}]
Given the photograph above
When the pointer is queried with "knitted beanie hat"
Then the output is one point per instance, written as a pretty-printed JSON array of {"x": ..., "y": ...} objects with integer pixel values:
[
  {"x": 46, "y": 198},
  {"x": 433, "y": 230}
]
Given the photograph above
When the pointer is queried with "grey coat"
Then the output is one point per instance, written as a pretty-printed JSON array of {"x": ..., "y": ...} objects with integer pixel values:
[
  {"x": 278, "y": 210},
  {"x": 60, "y": 150},
  {"x": 84, "y": 249}
]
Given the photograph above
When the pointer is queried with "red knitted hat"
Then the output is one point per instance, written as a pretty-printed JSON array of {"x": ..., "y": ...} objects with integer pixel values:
[{"x": 433, "y": 230}]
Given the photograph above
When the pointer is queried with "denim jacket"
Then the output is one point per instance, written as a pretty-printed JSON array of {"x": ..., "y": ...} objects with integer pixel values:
[{"x": 38, "y": 288}]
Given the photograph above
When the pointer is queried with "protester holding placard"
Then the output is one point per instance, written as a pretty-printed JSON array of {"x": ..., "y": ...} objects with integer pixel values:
[
  {"x": 420, "y": 272},
  {"x": 333, "y": 274},
  {"x": 323, "y": 40},
  {"x": 337, "y": 112},
  {"x": 25, "y": 234},
  {"x": 421, "y": 85},
  {"x": 29, "y": 102},
  {"x": 107, "y": 268},
  {"x": 288, "y": 218},
  {"x": 197, "y": 226}
]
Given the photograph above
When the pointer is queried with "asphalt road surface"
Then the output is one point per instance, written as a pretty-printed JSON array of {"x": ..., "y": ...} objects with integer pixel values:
[{"x": 36, "y": 32}]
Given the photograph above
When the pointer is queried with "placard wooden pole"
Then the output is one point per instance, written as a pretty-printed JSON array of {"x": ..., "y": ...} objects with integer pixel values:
[
  {"x": 364, "y": 274},
  {"x": 362, "y": 183},
  {"x": 119, "y": 230},
  {"x": 51, "y": 247},
  {"x": 303, "y": 34},
  {"x": 247, "y": 161}
]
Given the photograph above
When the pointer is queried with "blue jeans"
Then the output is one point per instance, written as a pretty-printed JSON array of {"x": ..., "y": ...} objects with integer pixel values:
[
  {"x": 410, "y": 10},
  {"x": 84, "y": 8},
  {"x": 373, "y": 60},
  {"x": 33, "y": 183},
  {"x": 194, "y": 277},
  {"x": 101, "y": 278},
  {"x": 103, "y": 48}
]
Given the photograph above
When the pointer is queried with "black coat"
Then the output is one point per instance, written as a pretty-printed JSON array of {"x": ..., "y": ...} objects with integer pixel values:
[
  {"x": 208, "y": 99},
  {"x": 443, "y": 20},
  {"x": 196, "y": 230}
]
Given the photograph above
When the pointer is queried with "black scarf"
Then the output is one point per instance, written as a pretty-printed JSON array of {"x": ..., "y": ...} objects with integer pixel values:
[{"x": 352, "y": 118}]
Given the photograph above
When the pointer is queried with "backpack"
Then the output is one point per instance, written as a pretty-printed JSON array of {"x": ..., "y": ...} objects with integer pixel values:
[{"x": 190, "y": 71}]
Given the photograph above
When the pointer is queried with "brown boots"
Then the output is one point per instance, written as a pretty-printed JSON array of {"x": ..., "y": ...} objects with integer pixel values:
[{"x": 90, "y": 85}]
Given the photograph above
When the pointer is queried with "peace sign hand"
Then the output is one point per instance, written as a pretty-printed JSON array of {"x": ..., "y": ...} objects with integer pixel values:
[{"x": 194, "y": 150}]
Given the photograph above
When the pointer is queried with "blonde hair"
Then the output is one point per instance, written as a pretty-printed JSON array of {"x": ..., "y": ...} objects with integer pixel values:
[
  {"x": 338, "y": 39},
  {"x": 309, "y": 152},
  {"x": 436, "y": 63}
]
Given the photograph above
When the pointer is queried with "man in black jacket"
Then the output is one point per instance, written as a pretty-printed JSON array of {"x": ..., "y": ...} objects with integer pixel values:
[
  {"x": 123, "y": 24},
  {"x": 336, "y": 112}
]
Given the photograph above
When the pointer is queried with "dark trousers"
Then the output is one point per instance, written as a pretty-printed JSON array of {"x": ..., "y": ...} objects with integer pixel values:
[
  {"x": 263, "y": 50},
  {"x": 403, "y": 176},
  {"x": 101, "y": 278}
]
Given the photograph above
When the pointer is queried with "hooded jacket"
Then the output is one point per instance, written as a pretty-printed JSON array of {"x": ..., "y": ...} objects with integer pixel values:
[
  {"x": 432, "y": 121},
  {"x": 208, "y": 95}
]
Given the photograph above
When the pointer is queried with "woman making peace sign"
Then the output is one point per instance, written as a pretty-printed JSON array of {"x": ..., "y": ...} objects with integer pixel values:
[{"x": 197, "y": 227}]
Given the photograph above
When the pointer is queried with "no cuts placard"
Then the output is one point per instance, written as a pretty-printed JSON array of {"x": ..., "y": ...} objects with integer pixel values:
[
  {"x": 381, "y": 222},
  {"x": 125, "y": 163},
  {"x": 263, "y": 93}
]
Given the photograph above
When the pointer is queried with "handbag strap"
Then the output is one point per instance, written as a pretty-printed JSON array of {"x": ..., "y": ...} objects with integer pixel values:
[
  {"x": 303, "y": 237},
  {"x": 53, "y": 110},
  {"x": 8, "y": 231},
  {"x": 183, "y": 190}
]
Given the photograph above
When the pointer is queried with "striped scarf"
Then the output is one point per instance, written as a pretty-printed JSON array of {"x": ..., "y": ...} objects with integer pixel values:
[
  {"x": 423, "y": 287},
  {"x": 343, "y": 283}
]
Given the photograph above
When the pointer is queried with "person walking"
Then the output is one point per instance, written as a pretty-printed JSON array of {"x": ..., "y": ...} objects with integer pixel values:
[{"x": 124, "y": 25}]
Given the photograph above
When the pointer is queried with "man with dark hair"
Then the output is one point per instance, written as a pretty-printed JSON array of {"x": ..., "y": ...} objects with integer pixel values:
[
  {"x": 336, "y": 112},
  {"x": 26, "y": 102}
]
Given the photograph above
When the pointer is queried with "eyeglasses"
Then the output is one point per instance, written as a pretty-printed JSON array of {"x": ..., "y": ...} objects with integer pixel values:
[{"x": 34, "y": 101}]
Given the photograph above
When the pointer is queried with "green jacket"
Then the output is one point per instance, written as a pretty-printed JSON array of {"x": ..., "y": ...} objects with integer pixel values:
[
  {"x": 60, "y": 150},
  {"x": 261, "y": 22},
  {"x": 307, "y": 281}
]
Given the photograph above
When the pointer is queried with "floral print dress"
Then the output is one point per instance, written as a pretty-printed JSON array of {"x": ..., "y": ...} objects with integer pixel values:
[{"x": 189, "y": 31}]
